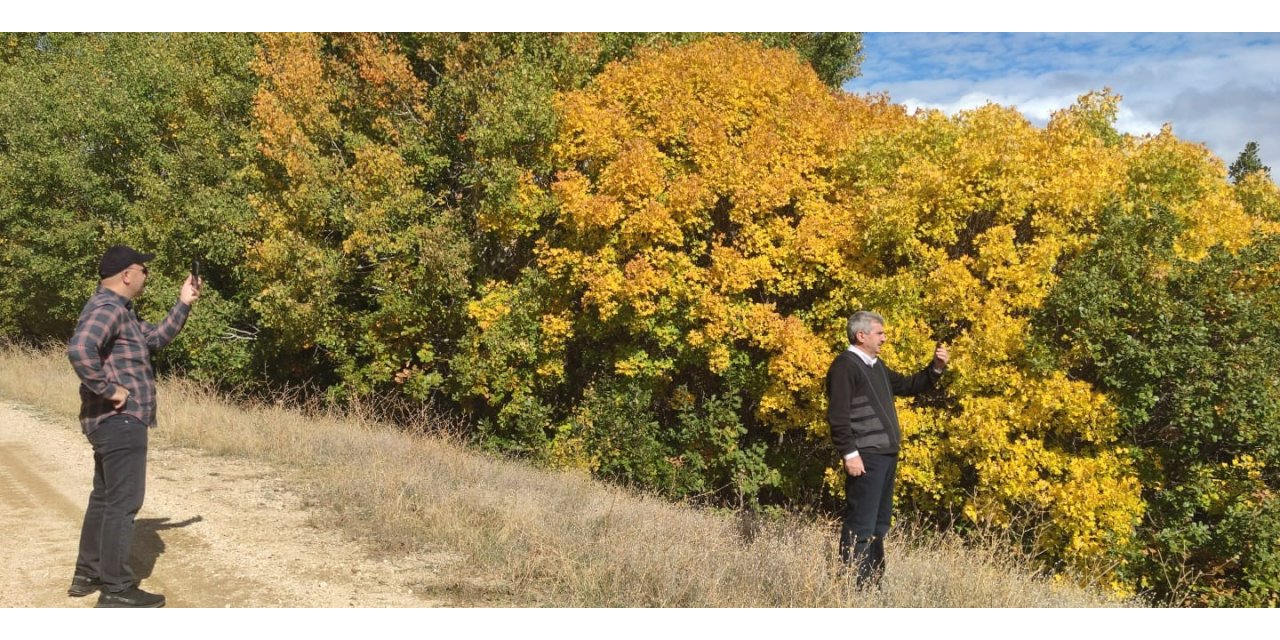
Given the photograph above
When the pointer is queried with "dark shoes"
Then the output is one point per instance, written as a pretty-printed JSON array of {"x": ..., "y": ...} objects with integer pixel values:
[
  {"x": 131, "y": 598},
  {"x": 82, "y": 586}
]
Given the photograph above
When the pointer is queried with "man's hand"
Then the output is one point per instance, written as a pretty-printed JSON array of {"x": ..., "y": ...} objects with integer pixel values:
[
  {"x": 853, "y": 466},
  {"x": 941, "y": 357},
  {"x": 119, "y": 398},
  {"x": 190, "y": 290}
]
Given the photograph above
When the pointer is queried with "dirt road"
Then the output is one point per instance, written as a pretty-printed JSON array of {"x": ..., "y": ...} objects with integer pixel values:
[{"x": 213, "y": 532}]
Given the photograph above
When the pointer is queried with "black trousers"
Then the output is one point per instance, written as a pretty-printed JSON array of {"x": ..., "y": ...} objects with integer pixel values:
[
  {"x": 119, "y": 484},
  {"x": 867, "y": 512}
]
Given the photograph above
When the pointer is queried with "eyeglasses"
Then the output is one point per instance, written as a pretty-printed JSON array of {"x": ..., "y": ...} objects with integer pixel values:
[{"x": 143, "y": 269}]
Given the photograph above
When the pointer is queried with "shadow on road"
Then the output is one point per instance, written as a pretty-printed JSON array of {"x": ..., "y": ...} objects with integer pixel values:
[{"x": 148, "y": 545}]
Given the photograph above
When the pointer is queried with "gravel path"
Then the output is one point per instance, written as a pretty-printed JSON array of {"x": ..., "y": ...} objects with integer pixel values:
[{"x": 213, "y": 532}]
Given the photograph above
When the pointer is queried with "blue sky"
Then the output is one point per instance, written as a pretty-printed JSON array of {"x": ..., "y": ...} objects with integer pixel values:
[{"x": 1220, "y": 89}]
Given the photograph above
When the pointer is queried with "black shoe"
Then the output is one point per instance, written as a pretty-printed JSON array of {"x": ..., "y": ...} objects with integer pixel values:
[
  {"x": 82, "y": 586},
  {"x": 131, "y": 598}
]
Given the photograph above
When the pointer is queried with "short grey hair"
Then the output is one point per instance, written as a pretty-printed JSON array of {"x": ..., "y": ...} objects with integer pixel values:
[{"x": 862, "y": 321}]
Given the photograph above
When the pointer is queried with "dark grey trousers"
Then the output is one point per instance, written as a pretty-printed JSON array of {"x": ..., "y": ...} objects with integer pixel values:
[
  {"x": 119, "y": 484},
  {"x": 867, "y": 512}
]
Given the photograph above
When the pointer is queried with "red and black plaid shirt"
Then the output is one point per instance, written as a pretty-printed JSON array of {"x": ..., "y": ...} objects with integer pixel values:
[{"x": 112, "y": 347}]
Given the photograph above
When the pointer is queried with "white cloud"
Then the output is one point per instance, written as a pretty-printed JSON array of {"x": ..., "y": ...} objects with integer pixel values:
[
  {"x": 1127, "y": 121},
  {"x": 1219, "y": 89}
]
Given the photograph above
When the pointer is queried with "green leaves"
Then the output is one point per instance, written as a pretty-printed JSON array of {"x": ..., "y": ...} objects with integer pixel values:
[
  {"x": 621, "y": 255},
  {"x": 111, "y": 138},
  {"x": 1190, "y": 353}
]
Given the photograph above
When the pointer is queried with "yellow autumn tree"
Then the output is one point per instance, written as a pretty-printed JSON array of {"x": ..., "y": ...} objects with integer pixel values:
[
  {"x": 718, "y": 215},
  {"x": 963, "y": 239},
  {"x": 959, "y": 242},
  {"x": 721, "y": 213},
  {"x": 676, "y": 267},
  {"x": 355, "y": 264}
]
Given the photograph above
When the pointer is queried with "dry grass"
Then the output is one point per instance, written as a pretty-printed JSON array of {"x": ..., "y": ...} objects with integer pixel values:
[{"x": 528, "y": 537}]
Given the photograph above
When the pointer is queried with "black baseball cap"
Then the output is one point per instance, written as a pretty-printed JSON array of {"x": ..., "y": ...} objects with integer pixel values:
[{"x": 118, "y": 258}]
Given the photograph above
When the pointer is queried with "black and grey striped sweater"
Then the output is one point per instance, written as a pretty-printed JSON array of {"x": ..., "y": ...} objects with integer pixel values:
[{"x": 860, "y": 407}]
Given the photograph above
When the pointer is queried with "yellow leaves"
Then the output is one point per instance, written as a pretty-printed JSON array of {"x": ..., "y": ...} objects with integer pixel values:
[
  {"x": 583, "y": 210},
  {"x": 1191, "y": 182},
  {"x": 554, "y": 331},
  {"x": 756, "y": 124},
  {"x": 1019, "y": 275},
  {"x": 996, "y": 253},
  {"x": 1251, "y": 466},
  {"x": 381, "y": 185},
  {"x": 1098, "y": 502},
  {"x": 796, "y": 364},
  {"x": 642, "y": 285},
  {"x": 1091, "y": 502},
  {"x": 954, "y": 290},
  {"x": 996, "y": 156},
  {"x": 635, "y": 175},
  {"x": 569, "y": 450},
  {"x": 556, "y": 328},
  {"x": 532, "y": 203},
  {"x": 380, "y": 172},
  {"x": 1260, "y": 197},
  {"x": 925, "y": 465},
  {"x": 591, "y": 130},
  {"x": 650, "y": 226},
  {"x": 493, "y": 305},
  {"x": 603, "y": 284},
  {"x": 1217, "y": 218},
  {"x": 386, "y": 72},
  {"x": 640, "y": 363},
  {"x": 559, "y": 263},
  {"x": 1240, "y": 483},
  {"x": 292, "y": 106},
  {"x": 733, "y": 273},
  {"x": 688, "y": 196},
  {"x": 718, "y": 359},
  {"x": 1072, "y": 409}
]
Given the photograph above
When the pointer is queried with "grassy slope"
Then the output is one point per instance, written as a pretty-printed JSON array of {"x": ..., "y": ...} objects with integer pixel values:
[{"x": 551, "y": 538}]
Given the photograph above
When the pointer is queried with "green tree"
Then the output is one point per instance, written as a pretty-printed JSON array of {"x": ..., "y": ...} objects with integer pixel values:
[
  {"x": 132, "y": 138},
  {"x": 1189, "y": 351},
  {"x": 1246, "y": 163}
]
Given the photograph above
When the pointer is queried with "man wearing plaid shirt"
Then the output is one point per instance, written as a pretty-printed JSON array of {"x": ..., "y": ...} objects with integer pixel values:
[{"x": 111, "y": 353}]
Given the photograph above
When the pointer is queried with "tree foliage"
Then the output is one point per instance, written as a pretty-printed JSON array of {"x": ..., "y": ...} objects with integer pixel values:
[
  {"x": 1246, "y": 163},
  {"x": 396, "y": 170},
  {"x": 634, "y": 254},
  {"x": 1188, "y": 350},
  {"x": 354, "y": 262},
  {"x": 718, "y": 213},
  {"x": 132, "y": 138}
]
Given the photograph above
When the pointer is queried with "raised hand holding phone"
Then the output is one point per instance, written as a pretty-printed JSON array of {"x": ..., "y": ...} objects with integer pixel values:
[
  {"x": 191, "y": 287},
  {"x": 941, "y": 357}
]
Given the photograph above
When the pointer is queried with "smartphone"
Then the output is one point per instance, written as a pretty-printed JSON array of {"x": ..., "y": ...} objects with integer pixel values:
[{"x": 195, "y": 270}]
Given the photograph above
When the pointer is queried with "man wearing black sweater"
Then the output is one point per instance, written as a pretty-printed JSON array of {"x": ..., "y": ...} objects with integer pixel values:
[{"x": 864, "y": 428}]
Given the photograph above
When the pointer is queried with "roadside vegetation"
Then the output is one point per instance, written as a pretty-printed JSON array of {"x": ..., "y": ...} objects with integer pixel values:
[
  {"x": 630, "y": 256},
  {"x": 552, "y": 538}
]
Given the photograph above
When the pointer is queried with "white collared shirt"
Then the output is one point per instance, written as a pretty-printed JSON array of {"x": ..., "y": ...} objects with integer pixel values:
[{"x": 869, "y": 360}]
